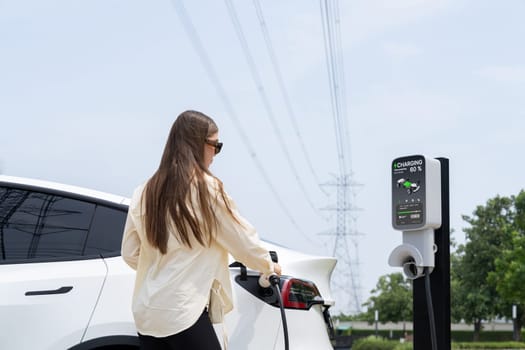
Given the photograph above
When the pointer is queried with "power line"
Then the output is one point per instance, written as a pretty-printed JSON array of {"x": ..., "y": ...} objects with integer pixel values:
[
  {"x": 336, "y": 80},
  {"x": 282, "y": 88},
  {"x": 342, "y": 85},
  {"x": 333, "y": 74},
  {"x": 201, "y": 52},
  {"x": 266, "y": 102}
]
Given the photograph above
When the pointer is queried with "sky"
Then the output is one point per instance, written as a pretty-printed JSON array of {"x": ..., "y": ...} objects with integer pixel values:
[{"x": 89, "y": 90}]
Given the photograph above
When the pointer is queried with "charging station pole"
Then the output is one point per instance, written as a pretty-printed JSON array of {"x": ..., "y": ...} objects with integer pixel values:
[{"x": 439, "y": 281}]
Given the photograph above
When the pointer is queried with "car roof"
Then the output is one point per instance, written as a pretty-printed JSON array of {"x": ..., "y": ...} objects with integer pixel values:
[{"x": 49, "y": 185}]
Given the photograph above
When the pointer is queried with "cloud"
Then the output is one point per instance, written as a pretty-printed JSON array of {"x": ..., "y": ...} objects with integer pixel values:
[
  {"x": 301, "y": 38},
  {"x": 396, "y": 109},
  {"x": 401, "y": 50},
  {"x": 502, "y": 73},
  {"x": 419, "y": 5},
  {"x": 371, "y": 18}
]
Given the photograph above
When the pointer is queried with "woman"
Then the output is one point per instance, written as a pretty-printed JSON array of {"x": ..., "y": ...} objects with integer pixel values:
[{"x": 180, "y": 227}]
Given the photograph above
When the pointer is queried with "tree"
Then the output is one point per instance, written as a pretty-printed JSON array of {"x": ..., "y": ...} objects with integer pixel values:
[
  {"x": 489, "y": 235},
  {"x": 509, "y": 277},
  {"x": 519, "y": 205},
  {"x": 392, "y": 298},
  {"x": 456, "y": 300},
  {"x": 509, "y": 271}
]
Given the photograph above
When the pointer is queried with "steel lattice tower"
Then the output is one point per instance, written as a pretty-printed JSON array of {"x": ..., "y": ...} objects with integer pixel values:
[{"x": 346, "y": 277}]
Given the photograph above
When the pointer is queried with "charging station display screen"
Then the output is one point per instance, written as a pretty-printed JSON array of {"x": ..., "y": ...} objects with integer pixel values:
[{"x": 408, "y": 194}]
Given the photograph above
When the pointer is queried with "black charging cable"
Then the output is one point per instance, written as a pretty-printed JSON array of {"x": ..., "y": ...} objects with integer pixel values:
[
  {"x": 274, "y": 282},
  {"x": 430, "y": 308}
]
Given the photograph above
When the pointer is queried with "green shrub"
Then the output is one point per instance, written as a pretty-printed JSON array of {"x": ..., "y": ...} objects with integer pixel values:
[
  {"x": 382, "y": 333},
  {"x": 404, "y": 346},
  {"x": 373, "y": 343},
  {"x": 460, "y": 336},
  {"x": 484, "y": 336},
  {"x": 489, "y": 345}
]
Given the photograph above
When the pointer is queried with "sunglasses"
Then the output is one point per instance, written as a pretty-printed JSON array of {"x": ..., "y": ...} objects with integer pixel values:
[{"x": 214, "y": 143}]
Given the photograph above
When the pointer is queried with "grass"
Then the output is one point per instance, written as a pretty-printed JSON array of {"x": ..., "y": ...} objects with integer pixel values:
[{"x": 373, "y": 343}]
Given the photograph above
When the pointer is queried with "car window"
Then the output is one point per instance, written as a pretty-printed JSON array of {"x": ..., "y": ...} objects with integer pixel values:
[
  {"x": 105, "y": 235},
  {"x": 46, "y": 226},
  {"x": 37, "y": 225}
]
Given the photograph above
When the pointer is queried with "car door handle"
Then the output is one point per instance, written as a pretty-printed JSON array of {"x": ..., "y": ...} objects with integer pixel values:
[{"x": 61, "y": 290}]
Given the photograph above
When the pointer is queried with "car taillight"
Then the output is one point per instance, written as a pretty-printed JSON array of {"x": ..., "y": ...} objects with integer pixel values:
[
  {"x": 299, "y": 294},
  {"x": 296, "y": 293}
]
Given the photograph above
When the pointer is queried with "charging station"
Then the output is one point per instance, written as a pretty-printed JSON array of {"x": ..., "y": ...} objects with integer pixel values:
[
  {"x": 420, "y": 209},
  {"x": 416, "y": 210}
]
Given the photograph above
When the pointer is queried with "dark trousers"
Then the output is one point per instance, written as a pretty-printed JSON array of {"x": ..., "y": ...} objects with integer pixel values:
[{"x": 200, "y": 336}]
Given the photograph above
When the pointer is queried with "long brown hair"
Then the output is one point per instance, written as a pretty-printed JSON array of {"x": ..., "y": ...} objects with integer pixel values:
[{"x": 181, "y": 171}]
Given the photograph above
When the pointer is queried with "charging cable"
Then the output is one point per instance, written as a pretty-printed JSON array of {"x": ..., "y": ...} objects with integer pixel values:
[
  {"x": 273, "y": 281},
  {"x": 430, "y": 309}
]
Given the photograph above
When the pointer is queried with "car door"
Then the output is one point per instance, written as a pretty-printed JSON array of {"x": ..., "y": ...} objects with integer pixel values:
[{"x": 50, "y": 278}]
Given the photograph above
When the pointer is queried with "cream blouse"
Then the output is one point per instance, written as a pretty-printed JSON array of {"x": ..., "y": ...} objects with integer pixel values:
[{"x": 172, "y": 290}]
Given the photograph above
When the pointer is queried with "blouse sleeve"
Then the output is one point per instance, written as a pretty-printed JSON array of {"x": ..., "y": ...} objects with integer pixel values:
[
  {"x": 240, "y": 238},
  {"x": 130, "y": 243}
]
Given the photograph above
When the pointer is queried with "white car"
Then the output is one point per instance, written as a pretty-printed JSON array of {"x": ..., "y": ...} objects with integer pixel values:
[{"x": 64, "y": 285}]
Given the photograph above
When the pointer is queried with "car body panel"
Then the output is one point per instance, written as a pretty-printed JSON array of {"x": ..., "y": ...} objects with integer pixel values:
[
  {"x": 306, "y": 330},
  {"x": 49, "y": 185},
  {"x": 48, "y": 319},
  {"x": 252, "y": 324},
  {"x": 314, "y": 268},
  {"x": 112, "y": 315}
]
